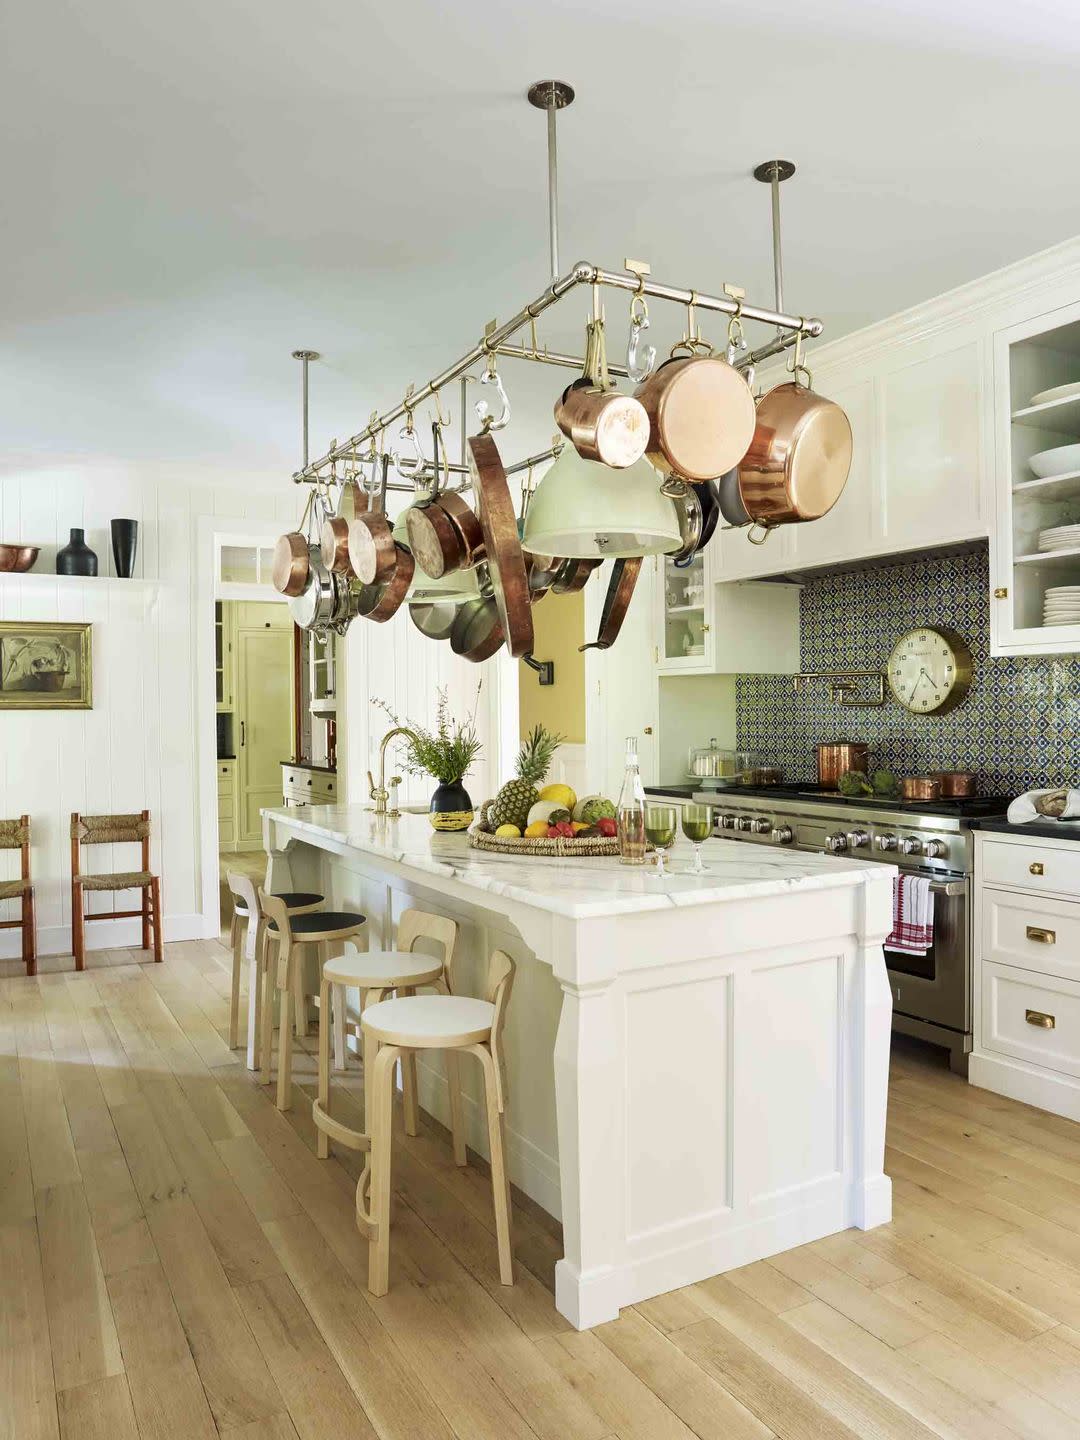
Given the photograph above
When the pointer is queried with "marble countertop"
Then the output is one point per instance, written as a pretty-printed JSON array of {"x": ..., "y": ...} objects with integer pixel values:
[{"x": 578, "y": 888}]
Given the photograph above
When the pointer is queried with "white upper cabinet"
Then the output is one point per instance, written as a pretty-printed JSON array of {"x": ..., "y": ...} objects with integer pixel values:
[{"x": 848, "y": 529}]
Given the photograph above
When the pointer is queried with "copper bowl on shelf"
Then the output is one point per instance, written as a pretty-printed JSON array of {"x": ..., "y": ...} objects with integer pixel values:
[
  {"x": 956, "y": 784},
  {"x": 921, "y": 787},
  {"x": 17, "y": 559}
]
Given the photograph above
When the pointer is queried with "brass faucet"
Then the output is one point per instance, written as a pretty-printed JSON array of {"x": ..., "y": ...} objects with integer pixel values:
[{"x": 379, "y": 793}]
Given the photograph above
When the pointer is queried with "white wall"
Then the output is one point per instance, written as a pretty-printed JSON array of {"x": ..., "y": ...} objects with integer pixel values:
[
  {"x": 137, "y": 747},
  {"x": 693, "y": 709}
]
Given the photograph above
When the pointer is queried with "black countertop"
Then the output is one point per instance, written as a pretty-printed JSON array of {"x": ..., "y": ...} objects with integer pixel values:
[
  {"x": 1037, "y": 829},
  {"x": 307, "y": 765}
]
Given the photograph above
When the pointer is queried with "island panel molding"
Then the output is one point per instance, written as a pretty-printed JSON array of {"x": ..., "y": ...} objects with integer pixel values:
[{"x": 689, "y": 1088}]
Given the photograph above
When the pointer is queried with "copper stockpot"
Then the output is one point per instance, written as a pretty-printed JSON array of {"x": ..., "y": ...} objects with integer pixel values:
[
  {"x": 920, "y": 787},
  {"x": 839, "y": 756},
  {"x": 955, "y": 784},
  {"x": 701, "y": 416},
  {"x": 798, "y": 461}
]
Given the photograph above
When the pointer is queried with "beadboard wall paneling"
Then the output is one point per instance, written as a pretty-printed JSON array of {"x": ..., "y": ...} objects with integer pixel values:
[
  {"x": 1017, "y": 727},
  {"x": 137, "y": 746}
]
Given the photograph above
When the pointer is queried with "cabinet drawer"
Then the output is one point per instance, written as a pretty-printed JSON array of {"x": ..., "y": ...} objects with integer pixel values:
[
  {"x": 225, "y": 770},
  {"x": 1033, "y": 1018},
  {"x": 1032, "y": 933},
  {"x": 225, "y": 805},
  {"x": 323, "y": 789},
  {"x": 1031, "y": 867}
]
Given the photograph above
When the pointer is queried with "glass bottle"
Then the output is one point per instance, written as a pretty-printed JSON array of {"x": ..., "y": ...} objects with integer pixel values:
[{"x": 631, "y": 811}]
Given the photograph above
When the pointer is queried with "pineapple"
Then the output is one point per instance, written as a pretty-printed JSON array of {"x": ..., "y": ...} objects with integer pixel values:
[{"x": 512, "y": 804}]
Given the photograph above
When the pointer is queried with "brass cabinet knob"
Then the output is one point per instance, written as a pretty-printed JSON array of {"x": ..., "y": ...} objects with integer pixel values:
[
  {"x": 705, "y": 627},
  {"x": 648, "y": 729},
  {"x": 1035, "y": 868},
  {"x": 1039, "y": 1019},
  {"x": 1041, "y": 936},
  {"x": 1001, "y": 593}
]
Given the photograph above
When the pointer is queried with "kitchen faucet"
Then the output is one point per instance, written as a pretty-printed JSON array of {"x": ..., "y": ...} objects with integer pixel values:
[{"x": 379, "y": 793}]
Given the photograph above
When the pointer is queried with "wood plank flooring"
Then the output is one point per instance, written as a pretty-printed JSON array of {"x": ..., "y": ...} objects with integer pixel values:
[{"x": 177, "y": 1263}]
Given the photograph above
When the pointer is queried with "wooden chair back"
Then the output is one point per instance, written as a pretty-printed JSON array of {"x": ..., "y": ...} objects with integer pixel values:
[
  {"x": 274, "y": 908},
  {"x": 500, "y": 982},
  {"x": 243, "y": 887},
  {"x": 109, "y": 830},
  {"x": 417, "y": 925},
  {"x": 15, "y": 835}
]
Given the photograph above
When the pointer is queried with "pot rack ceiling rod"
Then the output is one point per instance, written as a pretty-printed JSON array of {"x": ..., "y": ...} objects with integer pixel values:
[
  {"x": 305, "y": 357},
  {"x": 552, "y": 96},
  {"x": 583, "y": 273},
  {"x": 773, "y": 173}
]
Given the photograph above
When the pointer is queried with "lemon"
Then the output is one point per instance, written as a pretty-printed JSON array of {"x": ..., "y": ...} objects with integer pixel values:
[
  {"x": 537, "y": 830},
  {"x": 510, "y": 832},
  {"x": 579, "y": 825},
  {"x": 561, "y": 794}
]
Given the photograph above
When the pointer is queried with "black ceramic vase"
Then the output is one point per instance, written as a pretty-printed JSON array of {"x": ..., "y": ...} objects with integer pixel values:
[
  {"x": 451, "y": 808},
  {"x": 125, "y": 539},
  {"x": 76, "y": 558}
]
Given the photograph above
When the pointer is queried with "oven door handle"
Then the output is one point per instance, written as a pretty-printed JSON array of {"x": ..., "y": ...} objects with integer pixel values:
[{"x": 949, "y": 888}]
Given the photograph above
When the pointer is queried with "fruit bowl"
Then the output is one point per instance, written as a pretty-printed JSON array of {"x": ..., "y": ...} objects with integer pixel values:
[{"x": 562, "y": 847}]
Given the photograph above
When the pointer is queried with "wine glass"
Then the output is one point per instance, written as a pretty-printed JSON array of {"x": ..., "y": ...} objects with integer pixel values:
[
  {"x": 661, "y": 827},
  {"x": 697, "y": 826}
]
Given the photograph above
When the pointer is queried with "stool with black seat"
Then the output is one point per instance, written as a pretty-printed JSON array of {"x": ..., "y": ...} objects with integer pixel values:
[
  {"x": 326, "y": 930},
  {"x": 376, "y": 973},
  {"x": 247, "y": 936}
]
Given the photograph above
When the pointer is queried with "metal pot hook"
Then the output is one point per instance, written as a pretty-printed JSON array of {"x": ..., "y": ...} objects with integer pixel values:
[
  {"x": 639, "y": 369},
  {"x": 488, "y": 421},
  {"x": 406, "y": 468}
]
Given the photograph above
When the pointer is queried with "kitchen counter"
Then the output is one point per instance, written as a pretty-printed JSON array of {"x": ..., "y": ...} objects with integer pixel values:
[
  {"x": 1041, "y": 829},
  {"x": 308, "y": 765},
  {"x": 697, "y": 1065}
]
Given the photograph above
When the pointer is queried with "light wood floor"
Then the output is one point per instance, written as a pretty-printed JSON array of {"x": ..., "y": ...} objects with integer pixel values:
[{"x": 175, "y": 1262}]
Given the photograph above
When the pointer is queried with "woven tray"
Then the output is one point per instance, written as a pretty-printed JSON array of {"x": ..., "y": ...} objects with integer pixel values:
[{"x": 544, "y": 849}]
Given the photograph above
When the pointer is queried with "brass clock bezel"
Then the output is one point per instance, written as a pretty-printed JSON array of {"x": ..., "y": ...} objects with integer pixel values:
[{"x": 963, "y": 661}]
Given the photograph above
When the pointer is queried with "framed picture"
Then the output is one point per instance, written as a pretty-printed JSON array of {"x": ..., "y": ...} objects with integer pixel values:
[{"x": 45, "y": 665}]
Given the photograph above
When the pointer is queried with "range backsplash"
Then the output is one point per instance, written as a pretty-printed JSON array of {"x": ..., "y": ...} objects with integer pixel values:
[{"x": 1019, "y": 726}]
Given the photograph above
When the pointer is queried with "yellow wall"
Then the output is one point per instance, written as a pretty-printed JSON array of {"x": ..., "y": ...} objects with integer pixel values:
[{"x": 559, "y": 628}]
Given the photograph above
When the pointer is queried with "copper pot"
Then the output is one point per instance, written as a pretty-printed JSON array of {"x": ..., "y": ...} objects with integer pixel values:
[
  {"x": 839, "y": 756},
  {"x": 798, "y": 461},
  {"x": 921, "y": 787},
  {"x": 601, "y": 423},
  {"x": 956, "y": 784},
  {"x": 701, "y": 416}
]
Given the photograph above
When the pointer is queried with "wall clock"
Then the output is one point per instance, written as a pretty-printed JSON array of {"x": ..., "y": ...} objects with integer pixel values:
[{"x": 930, "y": 670}]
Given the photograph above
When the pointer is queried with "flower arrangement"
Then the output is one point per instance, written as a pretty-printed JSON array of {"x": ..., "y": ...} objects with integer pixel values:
[{"x": 448, "y": 751}]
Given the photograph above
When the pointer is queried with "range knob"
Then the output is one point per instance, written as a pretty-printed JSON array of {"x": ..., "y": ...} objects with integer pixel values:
[
  {"x": 858, "y": 839},
  {"x": 783, "y": 834},
  {"x": 886, "y": 842},
  {"x": 836, "y": 844},
  {"x": 761, "y": 826},
  {"x": 744, "y": 823},
  {"x": 935, "y": 849},
  {"x": 911, "y": 846},
  {"x": 726, "y": 822}
]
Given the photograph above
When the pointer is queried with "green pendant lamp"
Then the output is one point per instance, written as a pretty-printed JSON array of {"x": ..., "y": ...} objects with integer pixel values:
[{"x": 583, "y": 510}]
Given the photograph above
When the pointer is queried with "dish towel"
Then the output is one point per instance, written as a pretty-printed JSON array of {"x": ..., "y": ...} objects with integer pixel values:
[
  {"x": 1044, "y": 805},
  {"x": 913, "y": 915}
]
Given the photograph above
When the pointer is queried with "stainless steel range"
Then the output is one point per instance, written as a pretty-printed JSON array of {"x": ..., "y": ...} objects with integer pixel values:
[{"x": 931, "y": 993}]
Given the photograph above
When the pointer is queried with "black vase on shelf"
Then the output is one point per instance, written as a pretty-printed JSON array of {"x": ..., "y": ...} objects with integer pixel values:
[
  {"x": 125, "y": 540},
  {"x": 76, "y": 558},
  {"x": 451, "y": 808}
]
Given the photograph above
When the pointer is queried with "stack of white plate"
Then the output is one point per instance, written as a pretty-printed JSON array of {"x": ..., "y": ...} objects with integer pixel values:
[
  {"x": 1061, "y": 605},
  {"x": 1057, "y": 392},
  {"x": 1060, "y": 537}
]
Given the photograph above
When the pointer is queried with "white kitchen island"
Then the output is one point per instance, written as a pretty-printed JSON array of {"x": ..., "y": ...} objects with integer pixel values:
[{"x": 697, "y": 1066}]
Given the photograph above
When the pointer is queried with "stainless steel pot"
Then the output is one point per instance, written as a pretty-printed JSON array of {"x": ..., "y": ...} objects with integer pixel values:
[{"x": 323, "y": 599}]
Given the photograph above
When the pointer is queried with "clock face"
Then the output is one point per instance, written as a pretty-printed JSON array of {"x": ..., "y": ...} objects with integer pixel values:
[{"x": 929, "y": 670}]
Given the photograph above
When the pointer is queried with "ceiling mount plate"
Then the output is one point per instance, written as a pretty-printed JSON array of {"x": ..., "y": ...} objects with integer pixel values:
[
  {"x": 771, "y": 170},
  {"x": 551, "y": 94},
  {"x": 306, "y": 355}
]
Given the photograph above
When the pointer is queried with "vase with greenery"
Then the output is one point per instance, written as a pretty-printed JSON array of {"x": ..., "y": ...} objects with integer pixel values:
[{"x": 446, "y": 753}]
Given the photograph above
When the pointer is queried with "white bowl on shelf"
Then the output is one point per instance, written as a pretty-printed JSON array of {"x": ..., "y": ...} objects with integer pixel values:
[
  {"x": 1058, "y": 461},
  {"x": 1057, "y": 392}
]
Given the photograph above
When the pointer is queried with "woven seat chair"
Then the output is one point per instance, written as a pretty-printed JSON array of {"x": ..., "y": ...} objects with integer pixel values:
[
  {"x": 113, "y": 830},
  {"x": 15, "y": 835}
]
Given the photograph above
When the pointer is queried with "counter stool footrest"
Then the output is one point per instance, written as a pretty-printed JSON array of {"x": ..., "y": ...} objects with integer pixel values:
[{"x": 337, "y": 1130}]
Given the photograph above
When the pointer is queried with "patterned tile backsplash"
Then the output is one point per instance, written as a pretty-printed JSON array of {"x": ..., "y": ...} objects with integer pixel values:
[{"x": 1019, "y": 726}]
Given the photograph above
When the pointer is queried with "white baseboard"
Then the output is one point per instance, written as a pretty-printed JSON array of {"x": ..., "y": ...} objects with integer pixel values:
[
  {"x": 1045, "y": 1089},
  {"x": 100, "y": 935}
]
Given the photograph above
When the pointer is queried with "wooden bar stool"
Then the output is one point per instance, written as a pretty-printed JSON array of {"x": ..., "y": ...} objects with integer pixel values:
[
  {"x": 246, "y": 940},
  {"x": 433, "y": 1022},
  {"x": 321, "y": 928},
  {"x": 15, "y": 835},
  {"x": 374, "y": 973},
  {"x": 113, "y": 830}
]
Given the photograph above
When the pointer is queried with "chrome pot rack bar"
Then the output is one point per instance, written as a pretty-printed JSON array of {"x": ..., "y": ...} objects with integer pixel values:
[{"x": 495, "y": 342}]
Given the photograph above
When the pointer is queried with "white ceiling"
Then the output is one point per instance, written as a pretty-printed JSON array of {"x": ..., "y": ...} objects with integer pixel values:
[{"x": 193, "y": 191}]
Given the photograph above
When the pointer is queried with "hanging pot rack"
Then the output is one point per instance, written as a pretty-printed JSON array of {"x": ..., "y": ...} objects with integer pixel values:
[{"x": 552, "y": 96}]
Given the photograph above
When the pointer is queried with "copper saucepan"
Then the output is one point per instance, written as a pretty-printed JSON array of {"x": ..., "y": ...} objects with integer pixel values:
[
  {"x": 920, "y": 787},
  {"x": 956, "y": 784},
  {"x": 334, "y": 537},
  {"x": 797, "y": 463},
  {"x": 601, "y": 423},
  {"x": 701, "y": 416},
  {"x": 836, "y": 758},
  {"x": 444, "y": 533},
  {"x": 292, "y": 556},
  {"x": 372, "y": 551}
]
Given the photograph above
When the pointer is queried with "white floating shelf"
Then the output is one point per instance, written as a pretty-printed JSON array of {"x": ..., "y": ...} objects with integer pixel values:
[
  {"x": 42, "y": 579},
  {"x": 1051, "y": 557},
  {"x": 1055, "y": 487},
  {"x": 1060, "y": 415}
]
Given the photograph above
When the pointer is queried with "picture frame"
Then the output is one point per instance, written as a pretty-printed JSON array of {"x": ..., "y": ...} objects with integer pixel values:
[{"x": 46, "y": 665}]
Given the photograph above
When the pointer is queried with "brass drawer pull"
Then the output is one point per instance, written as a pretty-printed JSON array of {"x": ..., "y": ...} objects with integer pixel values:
[
  {"x": 1039, "y": 1018},
  {"x": 1041, "y": 936},
  {"x": 1036, "y": 867}
]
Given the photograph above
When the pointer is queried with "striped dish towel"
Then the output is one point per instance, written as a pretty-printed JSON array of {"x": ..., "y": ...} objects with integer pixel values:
[{"x": 913, "y": 915}]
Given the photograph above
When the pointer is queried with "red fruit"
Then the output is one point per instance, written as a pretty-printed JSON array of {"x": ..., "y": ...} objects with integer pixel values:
[{"x": 607, "y": 827}]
